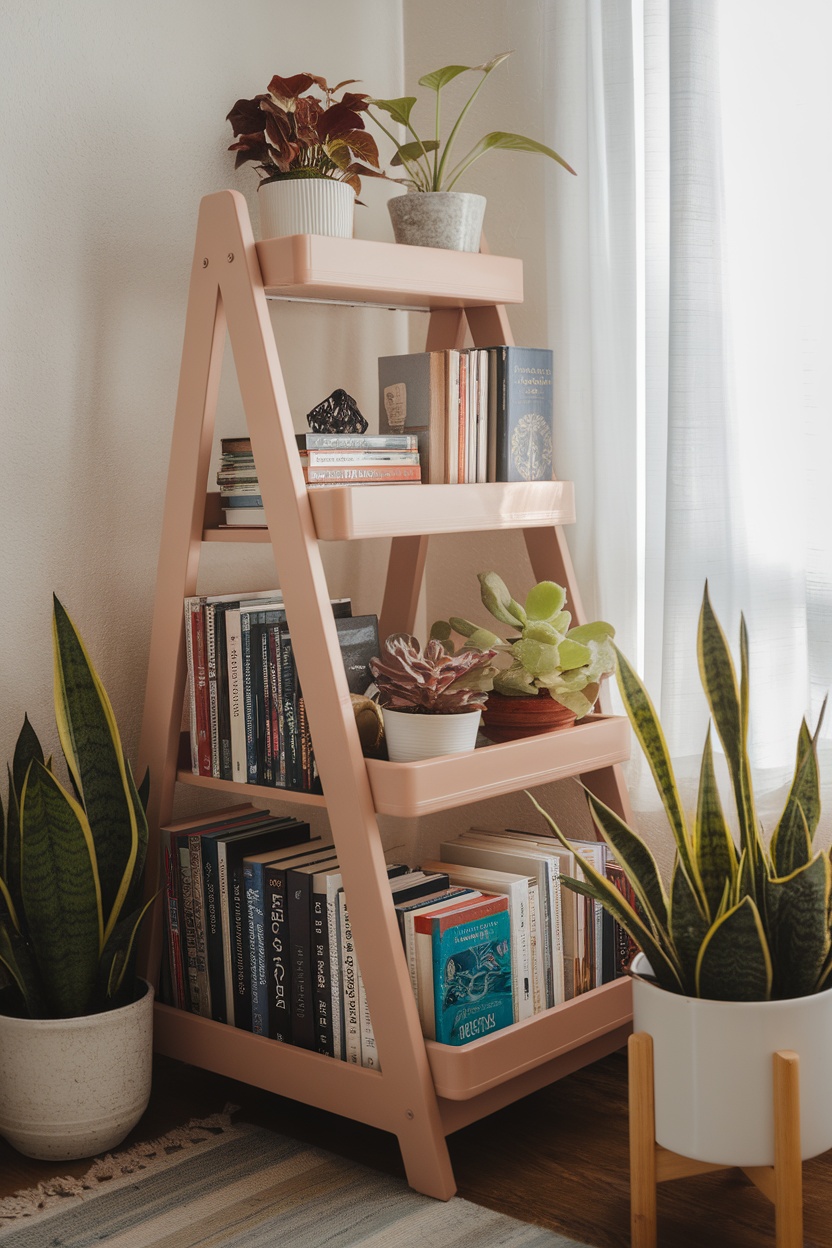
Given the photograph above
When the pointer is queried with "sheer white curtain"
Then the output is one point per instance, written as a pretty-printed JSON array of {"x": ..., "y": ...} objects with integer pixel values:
[{"x": 690, "y": 307}]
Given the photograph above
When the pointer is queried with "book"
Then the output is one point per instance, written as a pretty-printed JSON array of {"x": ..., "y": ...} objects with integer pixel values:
[
  {"x": 595, "y": 852},
  {"x": 516, "y": 888},
  {"x": 450, "y": 895},
  {"x": 299, "y": 895},
  {"x": 198, "y": 685},
  {"x": 464, "y": 971},
  {"x": 521, "y": 414},
  {"x": 624, "y": 946},
  {"x": 357, "y": 442},
  {"x": 357, "y": 475},
  {"x": 245, "y": 517},
  {"x": 357, "y": 459},
  {"x": 415, "y": 393}
]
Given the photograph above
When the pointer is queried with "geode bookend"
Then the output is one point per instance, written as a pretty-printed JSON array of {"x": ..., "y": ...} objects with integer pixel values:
[{"x": 337, "y": 414}]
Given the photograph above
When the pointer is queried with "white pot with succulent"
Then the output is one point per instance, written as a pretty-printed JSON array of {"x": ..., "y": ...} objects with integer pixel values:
[
  {"x": 309, "y": 146},
  {"x": 555, "y": 671},
  {"x": 736, "y": 961},
  {"x": 76, "y": 1025},
  {"x": 431, "y": 700},
  {"x": 433, "y": 214}
]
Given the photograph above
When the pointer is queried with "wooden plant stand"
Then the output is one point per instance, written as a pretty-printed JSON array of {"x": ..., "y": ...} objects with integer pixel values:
[{"x": 650, "y": 1164}]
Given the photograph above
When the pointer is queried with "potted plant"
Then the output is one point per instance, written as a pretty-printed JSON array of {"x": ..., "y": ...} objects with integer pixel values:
[
  {"x": 431, "y": 700},
  {"x": 555, "y": 671},
  {"x": 736, "y": 957},
  {"x": 75, "y": 1024},
  {"x": 309, "y": 146},
  {"x": 436, "y": 215}
]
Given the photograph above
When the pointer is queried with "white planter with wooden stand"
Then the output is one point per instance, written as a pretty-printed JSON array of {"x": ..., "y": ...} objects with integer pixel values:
[
  {"x": 75, "y": 1087},
  {"x": 306, "y": 206},
  {"x": 411, "y": 737}
]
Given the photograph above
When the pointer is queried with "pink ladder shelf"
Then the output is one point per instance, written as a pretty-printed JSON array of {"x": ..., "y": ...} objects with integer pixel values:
[{"x": 424, "y": 1090}]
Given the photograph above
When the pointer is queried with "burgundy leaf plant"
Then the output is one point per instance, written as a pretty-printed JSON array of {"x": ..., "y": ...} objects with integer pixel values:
[{"x": 431, "y": 681}]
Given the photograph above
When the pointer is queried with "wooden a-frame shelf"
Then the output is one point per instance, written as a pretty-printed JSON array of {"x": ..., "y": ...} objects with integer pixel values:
[{"x": 423, "y": 1091}]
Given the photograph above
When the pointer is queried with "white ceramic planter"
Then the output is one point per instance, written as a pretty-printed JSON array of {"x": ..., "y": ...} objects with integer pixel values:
[
  {"x": 414, "y": 737},
  {"x": 306, "y": 206},
  {"x": 449, "y": 219},
  {"x": 75, "y": 1087},
  {"x": 712, "y": 1064}
]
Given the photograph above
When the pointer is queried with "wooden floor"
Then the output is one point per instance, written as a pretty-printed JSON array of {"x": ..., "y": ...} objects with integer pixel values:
[{"x": 558, "y": 1158}]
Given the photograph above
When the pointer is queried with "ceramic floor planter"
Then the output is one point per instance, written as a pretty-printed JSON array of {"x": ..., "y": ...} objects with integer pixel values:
[
  {"x": 411, "y": 738},
  {"x": 306, "y": 206},
  {"x": 449, "y": 219},
  {"x": 506, "y": 719},
  {"x": 713, "y": 1071},
  {"x": 75, "y": 1087}
]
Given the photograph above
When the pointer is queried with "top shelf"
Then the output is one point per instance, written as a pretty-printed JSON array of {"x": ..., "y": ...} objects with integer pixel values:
[{"x": 317, "y": 268}]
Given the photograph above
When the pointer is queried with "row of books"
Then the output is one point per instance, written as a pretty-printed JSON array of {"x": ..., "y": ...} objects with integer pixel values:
[
  {"x": 247, "y": 713},
  {"x": 479, "y": 414},
  {"x": 327, "y": 460},
  {"x": 259, "y": 936}
]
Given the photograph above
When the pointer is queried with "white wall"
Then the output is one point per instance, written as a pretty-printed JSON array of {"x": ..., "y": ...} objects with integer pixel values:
[{"x": 114, "y": 127}]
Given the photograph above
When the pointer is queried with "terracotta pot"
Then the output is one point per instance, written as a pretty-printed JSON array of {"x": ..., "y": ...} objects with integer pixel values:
[{"x": 508, "y": 718}]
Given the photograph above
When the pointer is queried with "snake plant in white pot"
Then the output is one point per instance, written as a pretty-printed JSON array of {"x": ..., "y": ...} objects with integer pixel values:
[
  {"x": 75, "y": 1024},
  {"x": 736, "y": 958}
]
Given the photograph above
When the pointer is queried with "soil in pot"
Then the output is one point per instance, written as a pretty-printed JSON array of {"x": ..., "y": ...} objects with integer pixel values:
[{"x": 506, "y": 719}]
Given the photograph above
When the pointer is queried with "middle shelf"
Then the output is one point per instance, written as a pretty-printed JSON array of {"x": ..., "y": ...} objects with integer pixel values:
[{"x": 409, "y": 790}]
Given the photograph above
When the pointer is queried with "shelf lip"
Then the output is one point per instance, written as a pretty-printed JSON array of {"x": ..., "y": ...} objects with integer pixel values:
[
  {"x": 354, "y": 512},
  {"x": 461, "y": 1073},
  {"x": 362, "y": 271},
  {"x": 410, "y": 790},
  {"x": 263, "y": 791}
]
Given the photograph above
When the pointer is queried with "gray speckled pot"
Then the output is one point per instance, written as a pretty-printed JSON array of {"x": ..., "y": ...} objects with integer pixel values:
[
  {"x": 449, "y": 219},
  {"x": 75, "y": 1087}
]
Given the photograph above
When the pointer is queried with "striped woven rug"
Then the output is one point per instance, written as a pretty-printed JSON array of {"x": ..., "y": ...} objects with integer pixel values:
[{"x": 251, "y": 1188}]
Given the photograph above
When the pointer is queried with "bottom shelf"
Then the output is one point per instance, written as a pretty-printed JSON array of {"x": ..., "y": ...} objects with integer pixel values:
[{"x": 485, "y": 1069}]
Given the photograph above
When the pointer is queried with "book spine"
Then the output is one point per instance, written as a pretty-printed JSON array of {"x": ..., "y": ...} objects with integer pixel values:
[
  {"x": 189, "y": 655},
  {"x": 213, "y": 928},
  {"x": 223, "y": 710},
  {"x": 279, "y": 1004},
  {"x": 367, "y": 1039},
  {"x": 192, "y": 980},
  {"x": 322, "y": 975},
  {"x": 203, "y": 723},
  {"x": 378, "y": 473},
  {"x": 227, "y": 932},
  {"x": 198, "y": 905},
  {"x": 352, "y": 1035},
  {"x": 335, "y": 968},
  {"x": 288, "y": 678},
  {"x": 213, "y": 692},
  {"x": 300, "y": 959},
  {"x": 240, "y": 947},
  {"x": 174, "y": 932},
  {"x": 359, "y": 459},
  {"x": 236, "y": 701},
  {"x": 357, "y": 442},
  {"x": 248, "y": 697},
  {"x": 305, "y": 746},
  {"x": 462, "y": 432},
  {"x": 264, "y": 696},
  {"x": 275, "y": 701},
  {"x": 255, "y": 908},
  {"x": 524, "y": 414},
  {"x": 538, "y": 968}
]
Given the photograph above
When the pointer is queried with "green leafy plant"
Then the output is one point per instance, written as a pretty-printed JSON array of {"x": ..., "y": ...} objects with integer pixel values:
[
  {"x": 425, "y": 161},
  {"x": 73, "y": 865},
  {"x": 431, "y": 681},
  {"x": 737, "y": 923},
  {"x": 568, "y": 663},
  {"x": 299, "y": 128}
]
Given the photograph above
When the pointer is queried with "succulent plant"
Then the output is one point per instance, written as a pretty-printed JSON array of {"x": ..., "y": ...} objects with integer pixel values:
[
  {"x": 738, "y": 923},
  {"x": 568, "y": 662},
  {"x": 431, "y": 681}
]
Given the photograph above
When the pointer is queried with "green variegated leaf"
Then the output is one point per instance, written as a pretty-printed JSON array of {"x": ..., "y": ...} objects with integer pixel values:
[
  {"x": 744, "y": 883},
  {"x": 734, "y": 962},
  {"x": 543, "y": 632},
  {"x": 16, "y": 957},
  {"x": 791, "y": 842},
  {"x": 647, "y": 728},
  {"x": 8, "y": 910},
  {"x": 544, "y": 601},
  {"x": 596, "y": 630},
  {"x": 12, "y": 866},
  {"x": 796, "y": 911},
  {"x": 572, "y": 654},
  {"x": 636, "y": 859},
  {"x": 688, "y": 925},
  {"x": 27, "y": 748},
  {"x": 716, "y": 854},
  {"x": 515, "y": 682},
  {"x": 608, "y": 895},
  {"x": 540, "y": 660},
  {"x": 464, "y": 627},
  {"x": 497, "y": 600},
  {"x": 61, "y": 894},
  {"x": 135, "y": 886},
  {"x": 726, "y": 901},
  {"x": 117, "y": 967},
  {"x": 719, "y": 681}
]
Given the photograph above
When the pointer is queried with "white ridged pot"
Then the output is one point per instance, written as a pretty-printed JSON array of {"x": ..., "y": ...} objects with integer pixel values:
[
  {"x": 449, "y": 219},
  {"x": 413, "y": 737},
  {"x": 75, "y": 1087},
  {"x": 713, "y": 1071},
  {"x": 306, "y": 206}
]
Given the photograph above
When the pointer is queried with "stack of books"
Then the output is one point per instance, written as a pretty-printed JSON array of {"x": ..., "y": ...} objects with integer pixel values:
[
  {"x": 239, "y": 487},
  {"x": 359, "y": 459}
]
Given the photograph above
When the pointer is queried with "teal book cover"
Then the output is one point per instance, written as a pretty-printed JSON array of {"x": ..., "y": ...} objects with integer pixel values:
[{"x": 472, "y": 973}]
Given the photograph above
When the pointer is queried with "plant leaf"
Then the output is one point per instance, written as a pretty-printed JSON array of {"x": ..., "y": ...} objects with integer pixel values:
[
  {"x": 117, "y": 966},
  {"x": 798, "y": 926},
  {"x": 399, "y": 109},
  {"x": 28, "y": 747},
  {"x": 688, "y": 925},
  {"x": 61, "y": 894},
  {"x": 439, "y": 78},
  {"x": 716, "y": 854},
  {"x": 90, "y": 740},
  {"x": 12, "y": 866},
  {"x": 509, "y": 142},
  {"x": 791, "y": 842},
  {"x": 544, "y": 601},
  {"x": 497, "y": 600},
  {"x": 17, "y": 959},
  {"x": 637, "y": 860},
  {"x": 734, "y": 963},
  {"x": 413, "y": 151}
]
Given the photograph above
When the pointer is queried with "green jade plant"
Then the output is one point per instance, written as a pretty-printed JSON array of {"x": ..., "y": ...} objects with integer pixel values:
[
  {"x": 568, "y": 663},
  {"x": 72, "y": 866},
  {"x": 737, "y": 923},
  {"x": 426, "y": 162}
]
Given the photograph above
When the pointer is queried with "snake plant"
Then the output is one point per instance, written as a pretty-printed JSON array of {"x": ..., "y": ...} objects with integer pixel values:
[
  {"x": 738, "y": 922},
  {"x": 547, "y": 654},
  {"x": 71, "y": 876}
]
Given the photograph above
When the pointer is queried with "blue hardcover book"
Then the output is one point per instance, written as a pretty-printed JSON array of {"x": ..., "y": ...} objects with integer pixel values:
[
  {"x": 235, "y": 501},
  {"x": 464, "y": 971},
  {"x": 521, "y": 414}
]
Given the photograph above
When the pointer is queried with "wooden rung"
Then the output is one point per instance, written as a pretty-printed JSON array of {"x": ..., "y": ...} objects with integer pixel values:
[
  {"x": 763, "y": 1178},
  {"x": 670, "y": 1165}
]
